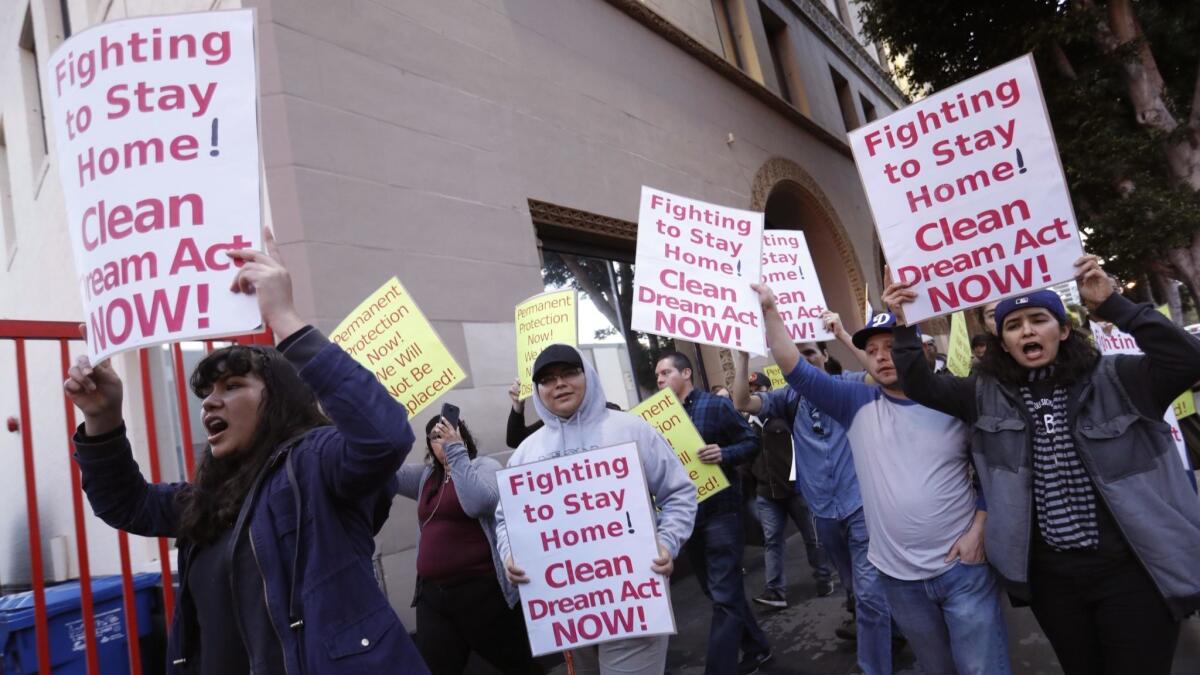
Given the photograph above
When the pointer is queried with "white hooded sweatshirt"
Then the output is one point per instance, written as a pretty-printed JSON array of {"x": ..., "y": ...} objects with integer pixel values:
[{"x": 595, "y": 426}]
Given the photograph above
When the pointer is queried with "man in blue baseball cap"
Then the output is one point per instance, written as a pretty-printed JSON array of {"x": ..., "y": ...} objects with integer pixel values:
[{"x": 922, "y": 512}]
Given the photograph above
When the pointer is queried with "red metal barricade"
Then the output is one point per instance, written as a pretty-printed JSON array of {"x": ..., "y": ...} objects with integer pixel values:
[{"x": 63, "y": 332}]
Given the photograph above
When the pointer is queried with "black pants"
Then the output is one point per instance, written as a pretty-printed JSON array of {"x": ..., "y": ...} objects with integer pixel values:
[
  {"x": 472, "y": 616},
  {"x": 1105, "y": 621}
]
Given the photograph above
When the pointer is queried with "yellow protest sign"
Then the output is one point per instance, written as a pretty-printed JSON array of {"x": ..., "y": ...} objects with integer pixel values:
[
  {"x": 776, "y": 374},
  {"x": 664, "y": 412},
  {"x": 958, "y": 360},
  {"x": 544, "y": 319},
  {"x": 1184, "y": 405},
  {"x": 388, "y": 334}
]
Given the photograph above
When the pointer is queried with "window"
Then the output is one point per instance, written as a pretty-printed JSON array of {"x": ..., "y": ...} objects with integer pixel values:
[
  {"x": 845, "y": 100},
  {"x": 624, "y": 359},
  {"x": 783, "y": 58},
  {"x": 65, "y": 14},
  {"x": 32, "y": 90},
  {"x": 8, "y": 228},
  {"x": 726, "y": 27},
  {"x": 869, "y": 114}
]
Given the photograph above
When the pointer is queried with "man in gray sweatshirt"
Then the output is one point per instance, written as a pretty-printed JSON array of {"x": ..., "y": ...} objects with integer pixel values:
[{"x": 569, "y": 399}]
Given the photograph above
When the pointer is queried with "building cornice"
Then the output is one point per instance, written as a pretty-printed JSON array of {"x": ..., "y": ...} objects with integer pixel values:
[
  {"x": 844, "y": 41},
  {"x": 680, "y": 38},
  {"x": 589, "y": 225}
]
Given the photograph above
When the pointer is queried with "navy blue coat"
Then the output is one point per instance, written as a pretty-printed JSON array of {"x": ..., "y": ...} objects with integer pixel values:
[{"x": 330, "y": 616}]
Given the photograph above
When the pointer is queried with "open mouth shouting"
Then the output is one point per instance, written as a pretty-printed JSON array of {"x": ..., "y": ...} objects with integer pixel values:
[
  {"x": 216, "y": 426},
  {"x": 1032, "y": 350}
]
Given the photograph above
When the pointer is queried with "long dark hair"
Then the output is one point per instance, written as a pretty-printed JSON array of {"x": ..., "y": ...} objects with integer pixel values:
[
  {"x": 1076, "y": 358},
  {"x": 289, "y": 407},
  {"x": 469, "y": 441}
]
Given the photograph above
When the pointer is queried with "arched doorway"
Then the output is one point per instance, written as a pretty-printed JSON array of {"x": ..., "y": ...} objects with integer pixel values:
[{"x": 792, "y": 200}]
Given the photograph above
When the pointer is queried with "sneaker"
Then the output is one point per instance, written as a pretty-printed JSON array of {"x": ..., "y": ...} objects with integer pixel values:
[
  {"x": 848, "y": 630},
  {"x": 772, "y": 599},
  {"x": 824, "y": 588},
  {"x": 753, "y": 663}
]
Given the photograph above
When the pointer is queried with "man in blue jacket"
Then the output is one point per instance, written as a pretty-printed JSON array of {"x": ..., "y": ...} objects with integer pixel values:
[{"x": 715, "y": 549}]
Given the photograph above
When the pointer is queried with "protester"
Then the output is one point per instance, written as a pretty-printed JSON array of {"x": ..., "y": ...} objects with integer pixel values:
[
  {"x": 759, "y": 382},
  {"x": 979, "y": 345},
  {"x": 570, "y": 401},
  {"x": 936, "y": 361},
  {"x": 1092, "y": 518},
  {"x": 825, "y": 477},
  {"x": 715, "y": 549},
  {"x": 921, "y": 509},
  {"x": 987, "y": 313},
  {"x": 463, "y": 599},
  {"x": 720, "y": 390},
  {"x": 276, "y": 531},
  {"x": 776, "y": 501}
]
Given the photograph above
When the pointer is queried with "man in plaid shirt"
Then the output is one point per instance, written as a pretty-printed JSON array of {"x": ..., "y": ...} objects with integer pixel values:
[{"x": 715, "y": 549}]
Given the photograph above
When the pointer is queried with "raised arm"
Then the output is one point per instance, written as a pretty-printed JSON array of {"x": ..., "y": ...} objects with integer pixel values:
[
  {"x": 374, "y": 434},
  {"x": 954, "y": 396},
  {"x": 740, "y": 392},
  {"x": 1171, "y": 361},
  {"x": 516, "y": 431},
  {"x": 115, "y": 487},
  {"x": 117, "y": 491},
  {"x": 837, "y": 398},
  {"x": 475, "y": 480},
  {"x": 833, "y": 324}
]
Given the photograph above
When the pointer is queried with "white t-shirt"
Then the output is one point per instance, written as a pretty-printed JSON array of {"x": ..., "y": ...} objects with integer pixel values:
[{"x": 913, "y": 470}]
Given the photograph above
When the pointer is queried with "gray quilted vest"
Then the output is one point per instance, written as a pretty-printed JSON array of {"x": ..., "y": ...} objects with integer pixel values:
[{"x": 1132, "y": 462}]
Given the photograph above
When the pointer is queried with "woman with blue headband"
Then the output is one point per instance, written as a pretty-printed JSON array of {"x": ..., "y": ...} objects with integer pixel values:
[{"x": 1091, "y": 517}]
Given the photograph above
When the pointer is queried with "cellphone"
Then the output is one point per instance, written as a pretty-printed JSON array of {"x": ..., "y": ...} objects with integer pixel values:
[{"x": 450, "y": 414}]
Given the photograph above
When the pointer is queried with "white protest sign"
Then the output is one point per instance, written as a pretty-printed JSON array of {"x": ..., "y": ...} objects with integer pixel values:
[
  {"x": 788, "y": 269},
  {"x": 1113, "y": 340},
  {"x": 582, "y": 529},
  {"x": 695, "y": 264},
  {"x": 156, "y": 128},
  {"x": 968, "y": 193}
]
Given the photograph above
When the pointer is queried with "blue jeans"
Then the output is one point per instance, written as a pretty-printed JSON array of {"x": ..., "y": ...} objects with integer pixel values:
[
  {"x": 953, "y": 621},
  {"x": 715, "y": 551},
  {"x": 845, "y": 543},
  {"x": 773, "y": 514}
]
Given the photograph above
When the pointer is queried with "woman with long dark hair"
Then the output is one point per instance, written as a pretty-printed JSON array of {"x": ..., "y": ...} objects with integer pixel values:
[
  {"x": 463, "y": 599},
  {"x": 276, "y": 531},
  {"x": 1091, "y": 517}
]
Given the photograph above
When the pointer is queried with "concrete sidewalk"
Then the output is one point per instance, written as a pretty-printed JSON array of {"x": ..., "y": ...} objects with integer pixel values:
[{"x": 803, "y": 639}]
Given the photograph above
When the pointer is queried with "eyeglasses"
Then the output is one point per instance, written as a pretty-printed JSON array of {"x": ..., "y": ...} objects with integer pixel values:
[
  {"x": 550, "y": 379},
  {"x": 817, "y": 427}
]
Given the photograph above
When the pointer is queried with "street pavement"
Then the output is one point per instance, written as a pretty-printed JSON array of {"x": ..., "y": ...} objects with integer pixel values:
[{"x": 804, "y": 642}]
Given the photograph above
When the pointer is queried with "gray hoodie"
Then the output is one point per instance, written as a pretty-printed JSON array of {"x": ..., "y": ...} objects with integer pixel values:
[{"x": 595, "y": 426}]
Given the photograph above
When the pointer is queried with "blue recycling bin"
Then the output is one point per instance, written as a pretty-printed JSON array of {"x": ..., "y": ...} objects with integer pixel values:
[{"x": 18, "y": 634}]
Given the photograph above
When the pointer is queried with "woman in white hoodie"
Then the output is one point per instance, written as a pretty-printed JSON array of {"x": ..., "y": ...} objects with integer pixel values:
[{"x": 570, "y": 400}]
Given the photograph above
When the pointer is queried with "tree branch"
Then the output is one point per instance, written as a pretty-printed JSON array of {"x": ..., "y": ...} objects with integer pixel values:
[
  {"x": 1062, "y": 63},
  {"x": 599, "y": 299},
  {"x": 1194, "y": 118},
  {"x": 1142, "y": 77}
]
